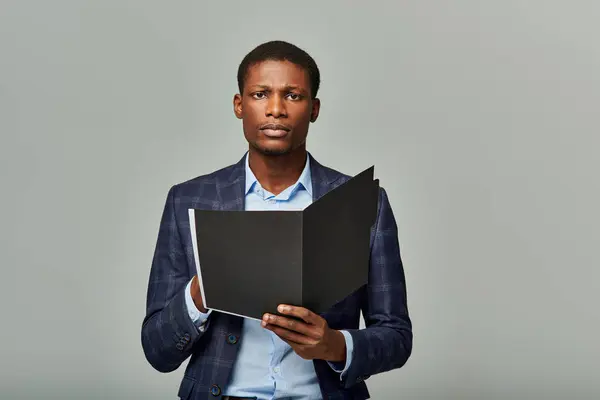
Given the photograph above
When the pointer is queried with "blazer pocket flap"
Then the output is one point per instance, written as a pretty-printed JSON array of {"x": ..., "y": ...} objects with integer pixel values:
[{"x": 185, "y": 388}]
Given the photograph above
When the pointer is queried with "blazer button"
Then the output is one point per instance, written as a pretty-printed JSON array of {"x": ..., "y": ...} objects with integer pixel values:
[
  {"x": 232, "y": 339},
  {"x": 215, "y": 390},
  {"x": 179, "y": 346},
  {"x": 187, "y": 337}
]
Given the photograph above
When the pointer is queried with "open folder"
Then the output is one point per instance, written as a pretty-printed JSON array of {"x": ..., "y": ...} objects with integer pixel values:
[{"x": 249, "y": 262}]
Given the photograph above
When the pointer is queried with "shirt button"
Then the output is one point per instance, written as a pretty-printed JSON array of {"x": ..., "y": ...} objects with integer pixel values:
[
  {"x": 276, "y": 370},
  {"x": 232, "y": 339},
  {"x": 215, "y": 390}
]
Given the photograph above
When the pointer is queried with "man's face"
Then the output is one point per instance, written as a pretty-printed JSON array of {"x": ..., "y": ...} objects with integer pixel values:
[{"x": 276, "y": 107}]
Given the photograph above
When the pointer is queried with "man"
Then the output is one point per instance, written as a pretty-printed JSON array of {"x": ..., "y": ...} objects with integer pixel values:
[{"x": 306, "y": 356}]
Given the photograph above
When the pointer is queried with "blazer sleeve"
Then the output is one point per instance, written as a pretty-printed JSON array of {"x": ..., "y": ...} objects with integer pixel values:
[
  {"x": 168, "y": 333},
  {"x": 386, "y": 341}
]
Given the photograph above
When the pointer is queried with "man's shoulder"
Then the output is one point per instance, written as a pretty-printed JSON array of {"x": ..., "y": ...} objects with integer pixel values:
[
  {"x": 337, "y": 178},
  {"x": 210, "y": 180},
  {"x": 328, "y": 174}
]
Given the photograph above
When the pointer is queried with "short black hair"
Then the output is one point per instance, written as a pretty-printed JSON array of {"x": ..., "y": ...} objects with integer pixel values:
[{"x": 278, "y": 50}]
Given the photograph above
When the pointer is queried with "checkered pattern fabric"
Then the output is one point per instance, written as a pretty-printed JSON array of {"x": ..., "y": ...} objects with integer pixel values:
[{"x": 169, "y": 337}]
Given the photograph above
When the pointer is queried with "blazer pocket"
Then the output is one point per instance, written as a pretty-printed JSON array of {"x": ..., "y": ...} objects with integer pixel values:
[{"x": 186, "y": 387}]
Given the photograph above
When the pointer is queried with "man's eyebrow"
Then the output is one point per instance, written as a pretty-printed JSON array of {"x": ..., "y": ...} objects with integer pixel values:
[{"x": 264, "y": 87}]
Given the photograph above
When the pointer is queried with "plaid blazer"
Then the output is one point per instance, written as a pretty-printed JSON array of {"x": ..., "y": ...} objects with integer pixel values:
[{"x": 169, "y": 337}]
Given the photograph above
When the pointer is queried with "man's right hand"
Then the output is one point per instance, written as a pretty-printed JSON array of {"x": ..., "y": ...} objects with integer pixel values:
[{"x": 196, "y": 296}]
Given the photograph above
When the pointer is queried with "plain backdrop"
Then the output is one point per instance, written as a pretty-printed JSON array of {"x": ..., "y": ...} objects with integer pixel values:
[{"x": 481, "y": 118}]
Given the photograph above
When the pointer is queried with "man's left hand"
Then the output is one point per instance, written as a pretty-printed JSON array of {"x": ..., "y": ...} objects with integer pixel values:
[{"x": 310, "y": 337}]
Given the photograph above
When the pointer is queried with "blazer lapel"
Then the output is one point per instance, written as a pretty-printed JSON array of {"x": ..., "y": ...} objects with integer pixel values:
[
  {"x": 230, "y": 188},
  {"x": 322, "y": 178}
]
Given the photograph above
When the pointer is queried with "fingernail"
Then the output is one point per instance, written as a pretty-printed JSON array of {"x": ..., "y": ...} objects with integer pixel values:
[{"x": 281, "y": 308}]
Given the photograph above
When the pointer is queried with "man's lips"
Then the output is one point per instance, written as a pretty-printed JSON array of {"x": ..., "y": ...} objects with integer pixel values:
[{"x": 274, "y": 130}]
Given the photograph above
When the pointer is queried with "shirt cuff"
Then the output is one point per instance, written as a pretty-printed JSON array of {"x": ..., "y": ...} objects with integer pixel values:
[
  {"x": 198, "y": 318},
  {"x": 338, "y": 366}
]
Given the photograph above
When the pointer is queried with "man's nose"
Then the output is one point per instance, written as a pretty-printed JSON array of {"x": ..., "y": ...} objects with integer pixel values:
[{"x": 276, "y": 107}]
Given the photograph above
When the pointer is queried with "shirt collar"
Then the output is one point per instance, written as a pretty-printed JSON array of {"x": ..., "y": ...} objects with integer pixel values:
[{"x": 304, "y": 179}]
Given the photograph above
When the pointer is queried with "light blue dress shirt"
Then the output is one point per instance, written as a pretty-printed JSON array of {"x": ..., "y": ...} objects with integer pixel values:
[{"x": 266, "y": 366}]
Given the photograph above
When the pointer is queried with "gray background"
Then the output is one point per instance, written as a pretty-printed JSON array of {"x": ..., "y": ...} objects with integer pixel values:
[{"x": 481, "y": 118}]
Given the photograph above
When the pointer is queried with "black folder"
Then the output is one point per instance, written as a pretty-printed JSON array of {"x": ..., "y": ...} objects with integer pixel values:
[{"x": 249, "y": 262}]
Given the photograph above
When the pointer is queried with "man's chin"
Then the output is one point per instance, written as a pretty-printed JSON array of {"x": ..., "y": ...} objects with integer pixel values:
[{"x": 273, "y": 150}]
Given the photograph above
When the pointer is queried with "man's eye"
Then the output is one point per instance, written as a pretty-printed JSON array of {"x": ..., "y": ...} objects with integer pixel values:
[
  {"x": 259, "y": 95},
  {"x": 294, "y": 96}
]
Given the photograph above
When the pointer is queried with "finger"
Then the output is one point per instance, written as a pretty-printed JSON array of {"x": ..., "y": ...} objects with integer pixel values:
[
  {"x": 300, "y": 312},
  {"x": 291, "y": 325},
  {"x": 291, "y": 336}
]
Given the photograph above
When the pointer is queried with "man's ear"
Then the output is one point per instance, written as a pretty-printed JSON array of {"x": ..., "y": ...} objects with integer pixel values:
[
  {"x": 237, "y": 106},
  {"x": 316, "y": 106}
]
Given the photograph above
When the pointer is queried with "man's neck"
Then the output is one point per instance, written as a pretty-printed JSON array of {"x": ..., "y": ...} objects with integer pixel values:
[{"x": 277, "y": 173}]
